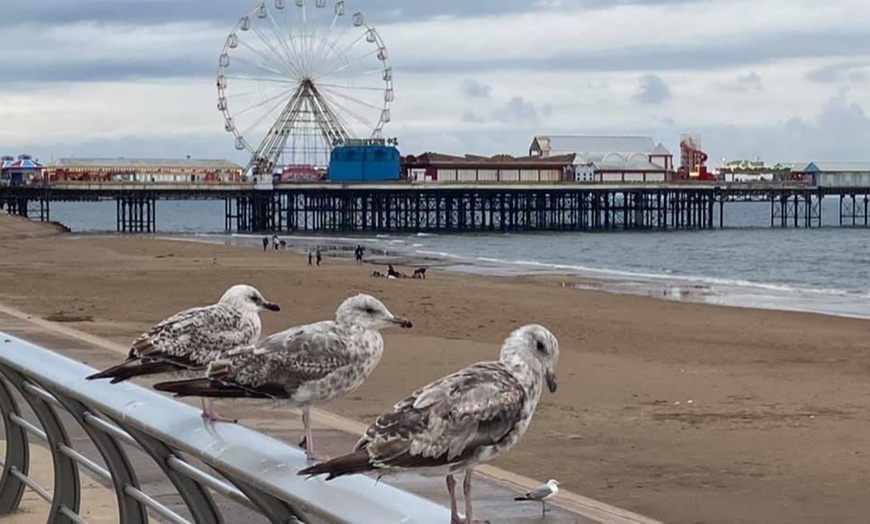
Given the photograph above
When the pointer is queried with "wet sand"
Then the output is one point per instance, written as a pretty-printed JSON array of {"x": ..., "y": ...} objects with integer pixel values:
[{"x": 680, "y": 411}]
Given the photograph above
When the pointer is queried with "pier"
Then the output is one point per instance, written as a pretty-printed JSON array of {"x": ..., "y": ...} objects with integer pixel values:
[{"x": 455, "y": 208}]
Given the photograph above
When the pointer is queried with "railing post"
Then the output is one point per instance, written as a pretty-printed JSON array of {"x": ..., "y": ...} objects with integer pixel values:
[
  {"x": 67, "y": 485},
  {"x": 130, "y": 510},
  {"x": 276, "y": 510},
  {"x": 17, "y": 453},
  {"x": 198, "y": 500}
]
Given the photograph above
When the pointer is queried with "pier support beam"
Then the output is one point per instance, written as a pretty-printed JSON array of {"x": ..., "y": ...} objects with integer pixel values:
[
  {"x": 796, "y": 209},
  {"x": 854, "y": 209},
  {"x": 136, "y": 213},
  {"x": 261, "y": 211},
  {"x": 41, "y": 208},
  {"x": 18, "y": 206}
]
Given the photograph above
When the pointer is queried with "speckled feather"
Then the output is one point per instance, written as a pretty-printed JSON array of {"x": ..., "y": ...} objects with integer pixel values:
[
  {"x": 451, "y": 422},
  {"x": 302, "y": 365},
  {"x": 192, "y": 338}
]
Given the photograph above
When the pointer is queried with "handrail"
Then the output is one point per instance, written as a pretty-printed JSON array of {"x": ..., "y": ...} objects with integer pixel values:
[{"x": 254, "y": 469}]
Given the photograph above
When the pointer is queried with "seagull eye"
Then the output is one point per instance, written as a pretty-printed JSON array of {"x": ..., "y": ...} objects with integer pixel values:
[
  {"x": 370, "y": 310},
  {"x": 541, "y": 347}
]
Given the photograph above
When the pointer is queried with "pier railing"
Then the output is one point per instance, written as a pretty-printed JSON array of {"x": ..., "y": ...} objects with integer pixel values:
[{"x": 204, "y": 462}]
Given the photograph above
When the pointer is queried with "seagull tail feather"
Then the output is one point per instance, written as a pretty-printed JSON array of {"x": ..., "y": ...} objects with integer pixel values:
[
  {"x": 356, "y": 462},
  {"x": 200, "y": 387},
  {"x": 132, "y": 368}
]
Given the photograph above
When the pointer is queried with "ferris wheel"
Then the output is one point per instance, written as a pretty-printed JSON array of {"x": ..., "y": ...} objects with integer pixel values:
[{"x": 298, "y": 77}]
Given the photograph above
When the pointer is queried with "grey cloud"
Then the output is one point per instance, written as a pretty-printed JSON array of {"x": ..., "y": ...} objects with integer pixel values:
[
  {"x": 840, "y": 72},
  {"x": 114, "y": 70},
  {"x": 46, "y": 61},
  {"x": 472, "y": 117},
  {"x": 517, "y": 110},
  {"x": 750, "y": 80},
  {"x": 840, "y": 131},
  {"x": 475, "y": 89},
  {"x": 754, "y": 49},
  {"x": 744, "y": 83},
  {"x": 652, "y": 90},
  {"x": 228, "y": 11}
]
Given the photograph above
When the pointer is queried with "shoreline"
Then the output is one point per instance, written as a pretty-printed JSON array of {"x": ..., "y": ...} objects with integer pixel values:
[
  {"x": 401, "y": 251},
  {"x": 677, "y": 288}
]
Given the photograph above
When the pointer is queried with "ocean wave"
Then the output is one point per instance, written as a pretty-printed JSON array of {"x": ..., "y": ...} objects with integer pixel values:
[{"x": 666, "y": 276}]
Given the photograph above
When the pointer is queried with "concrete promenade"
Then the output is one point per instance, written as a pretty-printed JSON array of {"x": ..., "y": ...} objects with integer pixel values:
[{"x": 494, "y": 488}]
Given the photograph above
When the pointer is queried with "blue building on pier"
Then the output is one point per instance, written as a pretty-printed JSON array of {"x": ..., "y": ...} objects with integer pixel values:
[{"x": 367, "y": 161}]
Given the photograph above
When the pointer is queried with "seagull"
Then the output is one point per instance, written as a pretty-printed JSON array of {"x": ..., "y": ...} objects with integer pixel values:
[
  {"x": 542, "y": 494},
  {"x": 188, "y": 341},
  {"x": 464, "y": 419},
  {"x": 303, "y": 365}
]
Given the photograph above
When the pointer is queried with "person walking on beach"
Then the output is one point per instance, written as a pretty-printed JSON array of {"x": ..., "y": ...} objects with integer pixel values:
[
  {"x": 358, "y": 254},
  {"x": 310, "y": 256},
  {"x": 317, "y": 255},
  {"x": 265, "y": 243},
  {"x": 275, "y": 242}
]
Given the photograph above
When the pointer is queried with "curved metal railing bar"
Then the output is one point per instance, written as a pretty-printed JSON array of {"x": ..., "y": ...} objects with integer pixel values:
[
  {"x": 258, "y": 472},
  {"x": 120, "y": 470},
  {"x": 67, "y": 484},
  {"x": 17, "y": 459}
]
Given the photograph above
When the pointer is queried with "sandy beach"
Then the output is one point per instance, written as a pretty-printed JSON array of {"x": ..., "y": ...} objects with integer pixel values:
[{"x": 685, "y": 412}]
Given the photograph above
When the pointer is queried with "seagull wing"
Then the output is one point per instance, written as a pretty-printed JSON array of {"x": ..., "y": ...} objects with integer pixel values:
[
  {"x": 447, "y": 420},
  {"x": 196, "y": 335},
  {"x": 281, "y": 363},
  {"x": 189, "y": 340}
]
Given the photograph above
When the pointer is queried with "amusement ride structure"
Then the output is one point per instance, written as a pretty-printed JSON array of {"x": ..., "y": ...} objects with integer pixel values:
[{"x": 297, "y": 78}]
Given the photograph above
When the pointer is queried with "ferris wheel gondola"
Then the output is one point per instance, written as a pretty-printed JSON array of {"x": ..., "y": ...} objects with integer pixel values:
[{"x": 295, "y": 78}]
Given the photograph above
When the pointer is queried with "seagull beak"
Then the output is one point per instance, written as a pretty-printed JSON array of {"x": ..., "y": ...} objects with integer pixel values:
[
  {"x": 271, "y": 306},
  {"x": 551, "y": 381},
  {"x": 402, "y": 322}
]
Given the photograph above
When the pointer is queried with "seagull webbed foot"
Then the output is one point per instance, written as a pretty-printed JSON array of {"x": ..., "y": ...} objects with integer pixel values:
[
  {"x": 316, "y": 457},
  {"x": 214, "y": 417}
]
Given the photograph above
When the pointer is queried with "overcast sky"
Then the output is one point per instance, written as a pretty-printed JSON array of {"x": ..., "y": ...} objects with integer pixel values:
[{"x": 786, "y": 80}]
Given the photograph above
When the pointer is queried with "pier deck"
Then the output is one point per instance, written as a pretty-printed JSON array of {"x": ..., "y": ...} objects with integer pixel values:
[{"x": 430, "y": 207}]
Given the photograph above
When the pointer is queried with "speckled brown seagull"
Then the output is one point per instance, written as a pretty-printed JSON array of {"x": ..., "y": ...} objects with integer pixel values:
[
  {"x": 304, "y": 365},
  {"x": 188, "y": 341},
  {"x": 464, "y": 419}
]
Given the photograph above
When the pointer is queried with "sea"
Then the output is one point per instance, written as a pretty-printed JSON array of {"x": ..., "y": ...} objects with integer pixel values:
[{"x": 746, "y": 264}]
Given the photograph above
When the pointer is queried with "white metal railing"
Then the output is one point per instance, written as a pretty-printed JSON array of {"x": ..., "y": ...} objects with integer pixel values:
[{"x": 249, "y": 468}]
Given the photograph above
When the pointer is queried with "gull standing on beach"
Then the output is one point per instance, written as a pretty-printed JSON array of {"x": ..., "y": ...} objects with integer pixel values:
[
  {"x": 542, "y": 494},
  {"x": 304, "y": 365},
  {"x": 188, "y": 341},
  {"x": 464, "y": 419}
]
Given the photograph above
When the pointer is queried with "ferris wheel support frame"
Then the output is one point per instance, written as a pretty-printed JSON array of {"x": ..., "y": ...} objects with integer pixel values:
[{"x": 306, "y": 95}]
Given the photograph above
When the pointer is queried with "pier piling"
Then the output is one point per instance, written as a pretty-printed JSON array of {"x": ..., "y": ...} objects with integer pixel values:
[{"x": 456, "y": 208}]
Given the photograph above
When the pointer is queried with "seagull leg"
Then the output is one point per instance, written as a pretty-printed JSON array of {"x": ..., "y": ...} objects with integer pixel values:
[
  {"x": 466, "y": 492},
  {"x": 454, "y": 511},
  {"x": 211, "y": 415},
  {"x": 543, "y": 509},
  {"x": 309, "y": 438}
]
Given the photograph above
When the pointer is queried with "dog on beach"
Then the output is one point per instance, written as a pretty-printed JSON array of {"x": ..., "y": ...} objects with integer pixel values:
[{"x": 420, "y": 272}]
